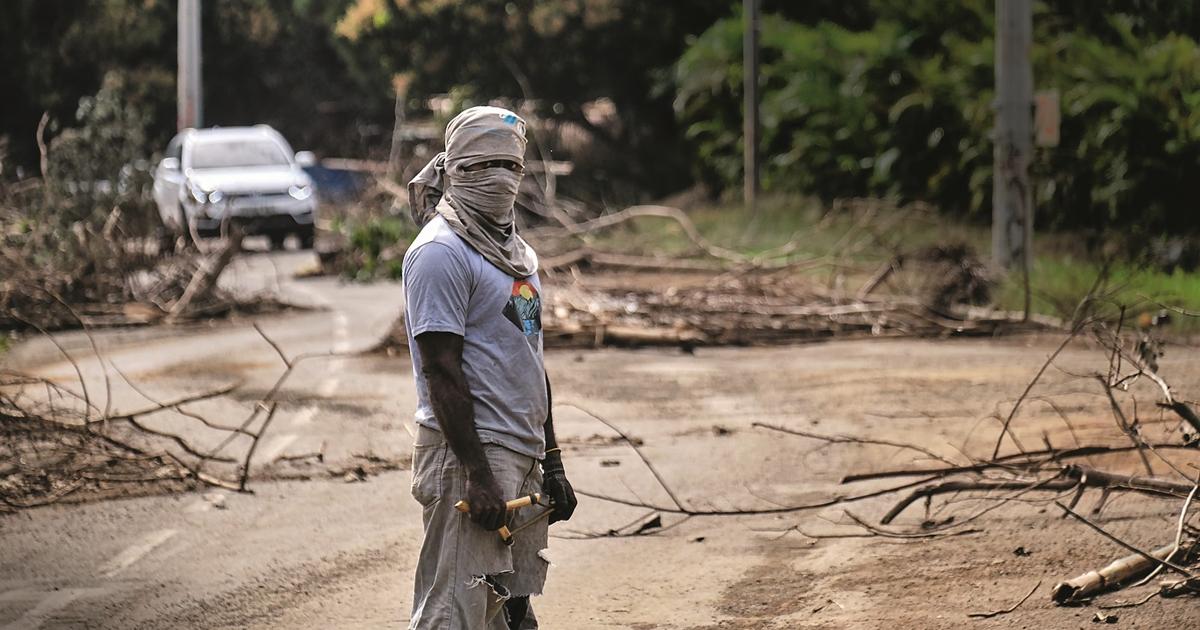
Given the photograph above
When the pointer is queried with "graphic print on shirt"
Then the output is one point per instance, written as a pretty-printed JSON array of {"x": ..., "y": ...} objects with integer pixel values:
[{"x": 524, "y": 308}]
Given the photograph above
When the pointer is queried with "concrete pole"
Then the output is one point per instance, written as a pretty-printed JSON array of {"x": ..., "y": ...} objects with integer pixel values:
[
  {"x": 1012, "y": 194},
  {"x": 190, "y": 98},
  {"x": 750, "y": 125}
]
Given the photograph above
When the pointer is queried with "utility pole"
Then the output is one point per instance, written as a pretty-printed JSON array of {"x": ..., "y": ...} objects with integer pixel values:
[
  {"x": 750, "y": 124},
  {"x": 189, "y": 95},
  {"x": 1012, "y": 194}
]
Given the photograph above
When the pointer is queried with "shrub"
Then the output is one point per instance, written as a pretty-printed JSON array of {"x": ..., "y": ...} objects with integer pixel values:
[
  {"x": 902, "y": 110},
  {"x": 375, "y": 247}
]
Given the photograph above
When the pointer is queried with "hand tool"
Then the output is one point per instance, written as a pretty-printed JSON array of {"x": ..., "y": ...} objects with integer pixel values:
[{"x": 515, "y": 504}]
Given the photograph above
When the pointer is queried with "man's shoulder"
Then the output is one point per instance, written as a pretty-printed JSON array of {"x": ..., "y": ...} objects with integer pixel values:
[{"x": 437, "y": 233}]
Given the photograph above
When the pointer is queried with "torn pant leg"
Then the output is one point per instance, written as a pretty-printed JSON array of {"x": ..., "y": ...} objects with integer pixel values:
[
  {"x": 529, "y": 562},
  {"x": 497, "y": 597},
  {"x": 464, "y": 572}
]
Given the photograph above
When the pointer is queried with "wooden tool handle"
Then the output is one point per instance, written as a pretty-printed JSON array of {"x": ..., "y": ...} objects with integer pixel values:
[
  {"x": 515, "y": 504},
  {"x": 505, "y": 535}
]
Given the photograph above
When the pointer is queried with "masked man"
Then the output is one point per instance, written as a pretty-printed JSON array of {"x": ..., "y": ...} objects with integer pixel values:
[{"x": 484, "y": 428}]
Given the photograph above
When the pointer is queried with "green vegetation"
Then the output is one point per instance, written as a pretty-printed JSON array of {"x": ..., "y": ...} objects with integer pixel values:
[
  {"x": 375, "y": 246},
  {"x": 1063, "y": 272},
  {"x": 903, "y": 110},
  {"x": 882, "y": 98},
  {"x": 1059, "y": 282}
]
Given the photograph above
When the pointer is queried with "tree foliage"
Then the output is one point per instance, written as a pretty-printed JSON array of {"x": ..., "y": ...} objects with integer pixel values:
[
  {"x": 272, "y": 61},
  {"x": 560, "y": 53},
  {"x": 903, "y": 109},
  {"x": 860, "y": 97}
]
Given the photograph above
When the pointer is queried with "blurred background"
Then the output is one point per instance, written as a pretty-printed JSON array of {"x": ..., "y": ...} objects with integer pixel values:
[{"x": 632, "y": 103}]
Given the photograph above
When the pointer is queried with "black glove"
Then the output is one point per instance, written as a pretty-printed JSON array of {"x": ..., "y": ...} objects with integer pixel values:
[{"x": 556, "y": 486}]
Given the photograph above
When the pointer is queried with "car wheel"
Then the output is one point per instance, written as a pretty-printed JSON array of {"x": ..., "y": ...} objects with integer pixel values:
[
  {"x": 278, "y": 240},
  {"x": 306, "y": 239}
]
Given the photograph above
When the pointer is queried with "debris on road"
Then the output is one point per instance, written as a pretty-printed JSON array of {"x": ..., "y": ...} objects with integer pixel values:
[
  {"x": 59, "y": 444},
  {"x": 215, "y": 499}
]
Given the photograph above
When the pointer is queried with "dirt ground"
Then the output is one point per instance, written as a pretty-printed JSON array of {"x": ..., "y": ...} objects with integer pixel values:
[
  {"x": 930, "y": 393},
  {"x": 328, "y": 553}
]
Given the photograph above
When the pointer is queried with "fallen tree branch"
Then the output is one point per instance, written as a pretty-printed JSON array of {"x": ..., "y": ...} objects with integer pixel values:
[
  {"x": 1117, "y": 572},
  {"x": 1129, "y": 565},
  {"x": 637, "y": 449},
  {"x": 787, "y": 509},
  {"x": 847, "y": 439},
  {"x": 274, "y": 406},
  {"x": 1027, "y": 461},
  {"x": 664, "y": 212},
  {"x": 1005, "y": 611},
  {"x": 205, "y": 278}
]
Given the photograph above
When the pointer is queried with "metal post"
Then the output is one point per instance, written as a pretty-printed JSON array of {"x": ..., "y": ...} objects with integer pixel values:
[
  {"x": 189, "y": 95},
  {"x": 1012, "y": 194},
  {"x": 750, "y": 125}
]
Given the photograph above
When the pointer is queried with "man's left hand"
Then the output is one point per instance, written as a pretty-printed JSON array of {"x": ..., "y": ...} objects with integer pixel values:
[{"x": 556, "y": 486}]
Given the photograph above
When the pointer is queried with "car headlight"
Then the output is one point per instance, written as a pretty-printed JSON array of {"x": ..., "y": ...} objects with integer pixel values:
[
  {"x": 202, "y": 196},
  {"x": 198, "y": 193},
  {"x": 300, "y": 193}
]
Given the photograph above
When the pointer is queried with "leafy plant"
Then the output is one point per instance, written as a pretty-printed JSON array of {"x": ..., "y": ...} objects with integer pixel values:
[
  {"x": 902, "y": 109},
  {"x": 375, "y": 247}
]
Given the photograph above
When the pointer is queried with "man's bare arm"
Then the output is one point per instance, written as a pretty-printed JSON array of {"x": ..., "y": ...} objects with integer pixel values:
[{"x": 441, "y": 363}]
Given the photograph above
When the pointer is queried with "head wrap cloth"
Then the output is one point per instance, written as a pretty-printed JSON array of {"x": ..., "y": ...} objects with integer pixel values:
[{"x": 478, "y": 206}]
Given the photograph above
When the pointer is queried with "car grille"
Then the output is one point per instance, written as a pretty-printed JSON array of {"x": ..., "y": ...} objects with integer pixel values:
[{"x": 253, "y": 197}]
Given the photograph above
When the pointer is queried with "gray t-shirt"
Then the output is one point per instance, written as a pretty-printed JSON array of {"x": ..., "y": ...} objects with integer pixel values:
[{"x": 449, "y": 287}]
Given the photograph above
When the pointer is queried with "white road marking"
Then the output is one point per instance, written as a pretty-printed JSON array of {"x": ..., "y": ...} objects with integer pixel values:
[
  {"x": 341, "y": 332},
  {"x": 53, "y": 602},
  {"x": 275, "y": 448},
  {"x": 136, "y": 552}
]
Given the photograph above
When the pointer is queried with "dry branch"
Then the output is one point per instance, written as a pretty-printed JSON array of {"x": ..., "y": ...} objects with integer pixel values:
[
  {"x": 1166, "y": 562},
  {"x": 1119, "y": 572},
  {"x": 847, "y": 439},
  {"x": 1005, "y": 611},
  {"x": 205, "y": 279}
]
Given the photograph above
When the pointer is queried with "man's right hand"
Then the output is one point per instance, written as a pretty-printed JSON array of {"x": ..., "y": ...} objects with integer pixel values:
[{"x": 488, "y": 507}]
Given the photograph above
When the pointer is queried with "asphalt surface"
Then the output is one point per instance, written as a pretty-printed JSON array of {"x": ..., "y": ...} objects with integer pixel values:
[
  {"x": 324, "y": 553},
  {"x": 339, "y": 553}
]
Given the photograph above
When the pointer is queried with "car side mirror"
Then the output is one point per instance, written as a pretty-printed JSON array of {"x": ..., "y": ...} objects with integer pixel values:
[
  {"x": 306, "y": 159},
  {"x": 169, "y": 164}
]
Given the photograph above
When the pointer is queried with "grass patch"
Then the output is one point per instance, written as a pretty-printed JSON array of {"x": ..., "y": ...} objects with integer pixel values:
[
  {"x": 1062, "y": 271},
  {"x": 859, "y": 235},
  {"x": 1059, "y": 282}
]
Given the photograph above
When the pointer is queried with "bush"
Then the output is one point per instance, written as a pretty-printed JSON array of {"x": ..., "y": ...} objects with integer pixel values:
[
  {"x": 902, "y": 110},
  {"x": 65, "y": 242},
  {"x": 101, "y": 164},
  {"x": 375, "y": 247}
]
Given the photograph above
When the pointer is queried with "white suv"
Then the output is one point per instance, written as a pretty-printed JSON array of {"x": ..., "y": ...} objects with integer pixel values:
[{"x": 244, "y": 175}]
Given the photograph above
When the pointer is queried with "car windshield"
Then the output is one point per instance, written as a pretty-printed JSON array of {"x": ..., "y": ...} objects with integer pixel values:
[{"x": 237, "y": 153}]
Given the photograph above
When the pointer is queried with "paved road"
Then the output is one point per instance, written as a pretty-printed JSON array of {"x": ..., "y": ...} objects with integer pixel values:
[
  {"x": 332, "y": 554},
  {"x": 294, "y": 554}
]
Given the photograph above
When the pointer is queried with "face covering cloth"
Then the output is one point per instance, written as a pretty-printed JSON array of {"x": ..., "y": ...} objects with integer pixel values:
[{"x": 478, "y": 205}]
